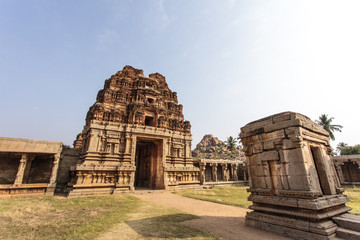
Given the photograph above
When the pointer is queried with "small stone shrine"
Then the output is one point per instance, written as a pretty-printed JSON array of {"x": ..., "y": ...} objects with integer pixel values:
[
  {"x": 135, "y": 136},
  {"x": 293, "y": 183}
]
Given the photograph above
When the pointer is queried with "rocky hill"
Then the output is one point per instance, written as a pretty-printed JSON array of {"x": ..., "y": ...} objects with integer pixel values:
[{"x": 211, "y": 147}]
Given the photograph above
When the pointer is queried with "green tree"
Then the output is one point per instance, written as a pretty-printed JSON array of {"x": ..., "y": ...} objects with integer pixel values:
[
  {"x": 325, "y": 122},
  {"x": 348, "y": 150},
  {"x": 231, "y": 143},
  {"x": 340, "y": 146}
]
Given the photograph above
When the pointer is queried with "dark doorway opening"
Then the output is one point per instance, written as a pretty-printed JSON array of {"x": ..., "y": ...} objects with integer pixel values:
[
  {"x": 321, "y": 171},
  {"x": 39, "y": 169},
  {"x": 149, "y": 121},
  {"x": 219, "y": 173},
  {"x": 149, "y": 168},
  {"x": 9, "y": 164},
  {"x": 208, "y": 173}
]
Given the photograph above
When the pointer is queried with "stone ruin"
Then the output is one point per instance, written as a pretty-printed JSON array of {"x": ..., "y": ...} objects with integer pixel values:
[
  {"x": 293, "y": 184},
  {"x": 28, "y": 166},
  {"x": 348, "y": 169},
  {"x": 219, "y": 165},
  {"x": 135, "y": 136}
]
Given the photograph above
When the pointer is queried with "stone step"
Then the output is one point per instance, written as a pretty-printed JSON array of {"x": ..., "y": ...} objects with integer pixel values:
[
  {"x": 347, "y": 234},
  {"x": 348, "y": 221}
]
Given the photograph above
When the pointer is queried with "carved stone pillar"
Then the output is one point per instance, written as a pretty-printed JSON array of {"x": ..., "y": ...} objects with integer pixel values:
[
  {"x": 214, "y": 172},
  {"x": 202, "y": 172},
  {"x": 340, "y": 173},
  {"x": 21, "y": 169},
  {"x": 224, "y": 171},
  {"x": 127, "y": 145},
  {"x": 52, "y": 182},
  {"x": 234, "y": 172}
]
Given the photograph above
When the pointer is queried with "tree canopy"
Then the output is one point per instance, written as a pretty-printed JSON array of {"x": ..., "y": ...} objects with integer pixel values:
[
  {"x": 345, "y": 149},
  {"x": 325, "y": 122},
  {"x": 231, "y": 143}
]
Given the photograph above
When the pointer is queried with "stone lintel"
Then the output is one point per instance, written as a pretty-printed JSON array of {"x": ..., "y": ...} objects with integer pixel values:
[{"x": 302, "y": 203}]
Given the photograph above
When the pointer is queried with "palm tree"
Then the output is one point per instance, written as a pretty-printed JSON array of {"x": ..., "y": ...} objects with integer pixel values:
[
  {"x": 231, "y": 143},
  {"x": 325, "y": 122},
  {"x": 340, "y": 147}
]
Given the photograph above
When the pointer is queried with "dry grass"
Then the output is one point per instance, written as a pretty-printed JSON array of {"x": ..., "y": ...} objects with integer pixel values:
[
  {"x": 230, "y": 195},
  {"x": 354, "y": 196},
  {"x": 88, "y": 218}
]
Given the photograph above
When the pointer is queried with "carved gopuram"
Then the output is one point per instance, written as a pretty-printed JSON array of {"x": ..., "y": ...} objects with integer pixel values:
[
  {"x": 135, "y": 136},
  {"x": 28, "y": 166},
  {"x": 294, "y": 187},
  {"x": 223, "y": 172},
  {"x": 348, "y": 169}
]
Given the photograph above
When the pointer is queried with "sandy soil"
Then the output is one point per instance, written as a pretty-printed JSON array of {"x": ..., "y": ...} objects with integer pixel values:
[{"x": 217, "y": 219}]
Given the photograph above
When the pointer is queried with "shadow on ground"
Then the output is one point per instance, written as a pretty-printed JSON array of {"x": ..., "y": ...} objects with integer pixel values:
[{"x": 167, "y": 226}]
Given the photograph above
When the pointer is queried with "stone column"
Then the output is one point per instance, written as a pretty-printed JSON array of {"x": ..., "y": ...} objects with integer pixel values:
[
  {"x": 214, "y": 172},
  {"x": 52, "y": 182},
  {"x": 340, "y": 173},
  {"x": 127, "y": 144},
  {"x": 224, "y": 171},
  {"x": 202, "y": 172},
  {"x": 54, "y": 169},
  {"x": 21, "y": 169},
  {"x": 234, "y": 171}
]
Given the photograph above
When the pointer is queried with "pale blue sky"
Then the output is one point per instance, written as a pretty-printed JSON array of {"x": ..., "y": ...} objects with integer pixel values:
[{"x": 231, "y": 62}]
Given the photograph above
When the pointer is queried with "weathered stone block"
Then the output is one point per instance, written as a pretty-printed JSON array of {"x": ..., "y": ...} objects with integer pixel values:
[
  {"x": 293, "y": 156},
  {"x": 269, "y": 145},
  {"x": 298, "y": 182},
  {"x": 269, "y": 156}
]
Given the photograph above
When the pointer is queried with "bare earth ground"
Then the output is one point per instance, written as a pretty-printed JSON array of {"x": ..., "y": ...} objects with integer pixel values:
[{"x": 220, "y": 220}]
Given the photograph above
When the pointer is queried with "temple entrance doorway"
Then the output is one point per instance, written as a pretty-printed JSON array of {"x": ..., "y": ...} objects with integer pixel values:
[
  {"x": 149, "y": 167},
  {"x": 321, "y": 171}
]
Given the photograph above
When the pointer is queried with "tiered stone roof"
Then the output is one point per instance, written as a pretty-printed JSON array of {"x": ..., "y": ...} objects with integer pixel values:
[{"x": 131, "y": 98}]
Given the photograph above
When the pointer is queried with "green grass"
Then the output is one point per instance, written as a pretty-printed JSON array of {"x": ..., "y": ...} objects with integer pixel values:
[
  {"x": 354, "y": 196},
  {"x": 237, "y": 196},
  {"x": 90, "y": 217},
  {"x": 229, "y": 195}
]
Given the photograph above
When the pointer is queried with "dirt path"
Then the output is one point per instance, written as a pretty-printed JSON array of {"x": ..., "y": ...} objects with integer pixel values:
[{"x": 217, "y": 219}]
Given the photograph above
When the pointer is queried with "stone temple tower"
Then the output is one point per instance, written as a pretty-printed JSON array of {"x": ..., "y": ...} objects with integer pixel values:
[{"x": 135, "y": 136}]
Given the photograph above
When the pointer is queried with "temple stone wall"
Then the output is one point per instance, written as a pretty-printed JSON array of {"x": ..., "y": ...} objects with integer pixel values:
[
  {"x": 293, "y": 183},
  {"x": 69, "y": 158},
  {"x": 28, "y": 166},
  {"x": 223, "y": 172},
  {"x": 348, "y": 169}
]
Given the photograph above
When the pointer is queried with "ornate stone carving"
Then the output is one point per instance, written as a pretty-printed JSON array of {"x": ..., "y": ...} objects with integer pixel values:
[{"x": 135, "y": 123}]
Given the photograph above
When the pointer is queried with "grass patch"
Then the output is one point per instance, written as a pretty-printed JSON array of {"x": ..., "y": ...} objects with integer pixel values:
[
  {"x": 237, "y": 196},
  {"x": 90, "y": 217},
  {"x": 354, "y": 196},
  {"x": 229, "y": 195}
]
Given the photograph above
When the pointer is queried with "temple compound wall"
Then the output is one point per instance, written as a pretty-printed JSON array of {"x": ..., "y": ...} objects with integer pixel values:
[
  {"x": 293, "y": 183},
  {"x": 223, "y": 172},
  {"x": 28, "y": 166},
  {"x": 135, "y": 136},
  {"x": 348, "y": 169}
]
